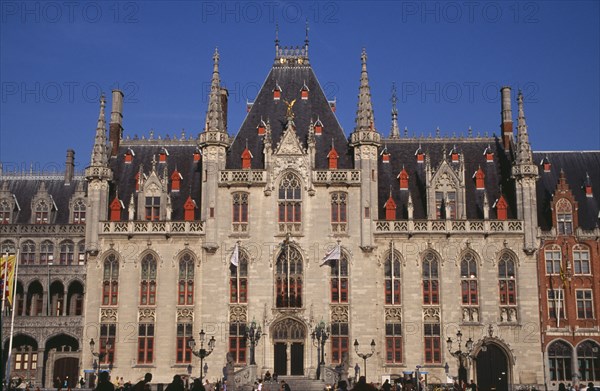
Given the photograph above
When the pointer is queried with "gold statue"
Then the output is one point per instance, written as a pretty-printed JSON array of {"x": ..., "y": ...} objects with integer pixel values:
[{"x": 290, "y": 113}]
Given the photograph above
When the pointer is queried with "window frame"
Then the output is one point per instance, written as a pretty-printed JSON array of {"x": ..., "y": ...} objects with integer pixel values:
[
  {"x": 432, "y": 343},
  {"x": 148, "y": 286},
  {"x": 431, "y": 279},
  {"x": 393, "y": 342},
  {"x": 237, "y": 342},
  {"x": 339, "y": 280},
  {"x": 185, "y": 284},
  {"x": 110, "y": 281},
  {"x": 585, "y": 304},
  {"x": 507, "y": 281},
  {"x": 392, "y": 279},
  {"x": 340, "y": 341},
  {"x": 469, "y": 281},
  {"x": 290, "y": 199},
  {"x": 238, "y": 279},
  {"x": 145, "y": 348},
  {"x": 289, "y": 279}
]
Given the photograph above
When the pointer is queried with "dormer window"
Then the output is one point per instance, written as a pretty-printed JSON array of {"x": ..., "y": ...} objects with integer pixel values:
[
  {"x": 162, "y": 156},
  {"x": 176, "y": 180},
  {"x": 197, "y": 155},
  {"x": 189, "y": 209},
  {"x": 420, "y": 155},
  {"x": 454, "y": 155},
  {"x": 261, "y": 128},
  {"x": 115, "y": 209},
  {"x": 304, "y": 92},
  {"x": 152, "y": 205},
  {"x": 79, "y": 212},
  {"x": 333, "y": 158},
  {"x": 588, "y": 186},
  {"x": 318, "y": 127},
  {"x": 564, "y": 217},
  {"x": 501, "y": 208},
  {"x": 5, "y": 211},
  {"x": 403, "y": 178},
  {"x": 246, "y": 159},
  {"x": 42, "y": 212},
  {"x": 332, "y": 104},
  {"x": 390, "y": 208},
  {"x": 129, "y": 156},
  {"x": 276, "y": 92},
  {"x": 546, "y": 165},
  {"x": 385, "y": 156},
  {"x": 479, "y": 177},
  {"x": 489, "y": 155}
]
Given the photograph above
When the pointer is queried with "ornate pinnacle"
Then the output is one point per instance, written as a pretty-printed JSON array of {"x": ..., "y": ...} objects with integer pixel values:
[
  {"x": 364, "y": 112},
  {"x": 214, "y": 117},
  {"x": 395, "y": 132},
  {"x": 524, "y": 155},
  {"x": 99, "y": 156}
]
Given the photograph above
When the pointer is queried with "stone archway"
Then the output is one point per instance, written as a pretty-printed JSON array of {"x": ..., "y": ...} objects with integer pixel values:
[
  {"x": 493, "y": 368},
  {"x": 289, "y": 338}
]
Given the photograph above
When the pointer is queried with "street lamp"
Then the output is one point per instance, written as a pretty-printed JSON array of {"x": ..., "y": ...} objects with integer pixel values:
[
  {"x": 365, "y": 356},
  {"x": 319, "y": 336},
  {"x": 202, "y": 353},
  {"x": 253, "y": 334},
  {"x": 461, "y": 355},
  {"x": 99, "y": 356}
]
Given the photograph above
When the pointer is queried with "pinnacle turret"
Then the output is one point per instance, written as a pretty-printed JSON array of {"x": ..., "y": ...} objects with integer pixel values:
[
  {"x": 364, "y": 113},
  {"x": 99, "y": 151},
  {"x": 395, "y": 131},
  {"x": 214, "y": 117},
  {"x": 524, "y": 155}
]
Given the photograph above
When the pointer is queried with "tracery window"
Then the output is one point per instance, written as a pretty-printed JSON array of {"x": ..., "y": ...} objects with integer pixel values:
[
  {"x": 46, "y": 252},
  {"x": 507, "y": 283},
  {"x": 79, "y": 212},
  {"x": 559, "y": 361},
  {"x": 148, "y": 282},
  {"x": 288, "y": 277},
  {"x": 67, "y": 252},
  {"x": 431, "y": 282},
  {"x": 290, "y": 199},
  {"x": 5, "y": 211},
  {"x": 468, "y": 276},
  {"x": 339, "y": 211},
  {"x": 588, "y": 361},
  {"x": 339, "y": 280},
  {"x": 186, "y": 280},
  {"x": 391, "y": 270},
  {"x": 110, "y": 283},
  {"x": 42, "y": 212},
  {"x": 564, "y": 217},
  {"x": 240, "y": 212},
  {"x": 28, "y": 253},
  {"x": 238, "y": 280}
]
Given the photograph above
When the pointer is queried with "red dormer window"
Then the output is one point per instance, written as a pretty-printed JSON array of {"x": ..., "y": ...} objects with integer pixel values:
[
  {"x": 277, "y": 92},
  {"x": 261, "y": 128},
  {"x": 189, "y": 208},
  {"x": 420, "y": 157},
  {"x": 304, "y": 92},
  {"x": 546, "y": 164},
  {"x": 246, "y": 159},
  {"x": 454, "y": 157},
  {"x": 501, "y": 208},
  {"x": 333, "y": 158},
  {"x": 332, "y": 104},
  {"x": 588, "y": 191},
  {"x": 385, "y": 157},
  {"x": 403, "y": 177},
  {"x": 318, "y": 127},
  {"x": 162, "y": 156},
  {"x": 489, "y": 157},
  {"x": 129, "y": 156},
  {"x": 176, "y": 180},
  {"x": 479, "y": 179},
  {"x": 115, "y": 209},
  {"x": 390, "y": 209}
]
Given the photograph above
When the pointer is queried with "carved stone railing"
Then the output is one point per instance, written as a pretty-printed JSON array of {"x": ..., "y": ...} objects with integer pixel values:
[
  {"x": 244, "y": 377},
  {"x": 41, "y": 229},
  {"x": 449, "y": 226},
  {"x": 152, "y": 227},
  {"x": 291, "y": 228},
  {"x": 348, "y": 177},
  {"x": 218, "y": 138},
  {"x": 365, "y": 137},
  {"x": 230, "y": 177},
  {"x": 70, "y": 323}
]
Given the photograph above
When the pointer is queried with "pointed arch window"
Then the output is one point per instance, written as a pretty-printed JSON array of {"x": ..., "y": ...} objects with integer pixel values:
[
  {"x": 431, "y": 279},
  {"x": 110, "y": 283},
  {"x": 290, "y": 199},
  {"x": 564, "y": 217},
  {"x": 588, "y": 361},
  {"x": 238, "y": 280},
  {"x": 507, "y": 280},
  {"x": 5, "y": 211},
  {"x": 42, "y": 212},
  {"x": 339, "y": 211},
  {"x": 339, "y": 280},
  {"x": 468, "y": 280},
  {"x": 28, "y": 253},
  {"x": 559, "y": 361},
  {"x": 67, "y": 252},
  {"x": 392, "y": 278},
  {"x": 7, "y": 247},
  {"x": 288, "y": 277},
  {"x": 240, "y": 212},
  {"x": 148, "y": 283},
  {"x": 79, "y": 212},
  {"x": 81, "y": 252},
  {"x": 186, "y": 280},
  {"x": 46, "y": 252}
]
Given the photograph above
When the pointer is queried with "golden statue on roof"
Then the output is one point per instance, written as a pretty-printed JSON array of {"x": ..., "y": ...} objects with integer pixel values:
[{"x": 290, "y": 113}]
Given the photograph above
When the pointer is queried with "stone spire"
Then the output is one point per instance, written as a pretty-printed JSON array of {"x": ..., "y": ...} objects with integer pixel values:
[
  {"x": 99, "y": 157},
  {"x": 524, "y": 155},
  {"x": 214, "y": 117},
  {"x": 395, "y": 131},
  {"x": 364, "y": 112}
]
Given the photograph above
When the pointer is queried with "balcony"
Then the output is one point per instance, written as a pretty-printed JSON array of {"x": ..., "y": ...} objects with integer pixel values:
[
  {"x": 242, "y": 177},
  {"x": 486, "y": 227},
  {"x": 41, "y": 229},
  {"x": 327, "y": 177},
  {"x": 153, "y": 227}
]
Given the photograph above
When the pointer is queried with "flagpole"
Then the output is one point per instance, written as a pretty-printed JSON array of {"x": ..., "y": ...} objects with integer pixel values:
[
  {"x": 5, "y": 282},
  {"x": 558, "y": 311},
  {"x": 392, "y": 269},
  {"x": 288, "y": 270},
  {"x": 12, "y": 321}
]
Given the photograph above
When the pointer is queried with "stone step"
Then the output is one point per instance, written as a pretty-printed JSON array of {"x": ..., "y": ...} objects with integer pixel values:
[{"x": 296, "y": 384}]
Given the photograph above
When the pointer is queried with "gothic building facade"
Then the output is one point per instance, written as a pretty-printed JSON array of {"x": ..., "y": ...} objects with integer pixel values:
[{"x": 436, "y": 235}]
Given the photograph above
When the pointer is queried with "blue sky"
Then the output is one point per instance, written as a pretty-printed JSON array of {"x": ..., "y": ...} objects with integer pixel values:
[{"x": 447, "y": 58}]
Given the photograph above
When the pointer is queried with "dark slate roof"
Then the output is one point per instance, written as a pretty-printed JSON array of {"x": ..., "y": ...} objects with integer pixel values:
[
  {"x": 575, "y": 166},
  {"x": 497, "y": 174},
  {"x": 181, "y": 156},
  {"x": 26, "y": 187},
  {"x": 290, "y": 79}
]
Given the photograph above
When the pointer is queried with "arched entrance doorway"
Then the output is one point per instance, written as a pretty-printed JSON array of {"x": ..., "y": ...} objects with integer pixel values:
[
  {"x": 289, "y": 336},
  {"x": 492, "y": 369}
]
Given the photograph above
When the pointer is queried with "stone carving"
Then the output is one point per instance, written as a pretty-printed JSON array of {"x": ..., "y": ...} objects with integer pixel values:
[
  {"x": 147, "y": 315},
  {"x": 185, "y": 314},
  {"x": 431, "y": 314},
  {"x": 238, "y": 314},
  {"x": 393, "y": 314},
  {"x": 339, "y": 314},
  {"x": 108, "y": 315}
]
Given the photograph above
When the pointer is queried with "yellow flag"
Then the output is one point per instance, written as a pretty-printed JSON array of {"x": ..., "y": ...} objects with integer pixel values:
[
  {"x": 7, "y": 270},
  {"x": 563, "y": 278}
]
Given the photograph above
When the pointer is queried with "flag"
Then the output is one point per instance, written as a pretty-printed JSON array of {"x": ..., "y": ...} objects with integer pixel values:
[
  {"x": 235, "y": 256},
  {"x": 7, "y": 268},
  {"x": 333, "y": 255},
  {"x": 563, "y": 277}
]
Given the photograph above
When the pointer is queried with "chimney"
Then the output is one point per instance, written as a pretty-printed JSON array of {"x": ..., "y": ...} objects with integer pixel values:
[
  {"x": 69, "y": 166},
  {"x": 224, "y": 97},
  {"x": 116, "y": 121},
  {"x": 507, "y": 123}
]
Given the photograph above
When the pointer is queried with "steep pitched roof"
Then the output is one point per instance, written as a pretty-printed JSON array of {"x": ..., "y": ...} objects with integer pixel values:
[
  {"x": 575, "y": 166},
  {"x": 291, "y": 79},
  {"x": 497, "y": 174}
]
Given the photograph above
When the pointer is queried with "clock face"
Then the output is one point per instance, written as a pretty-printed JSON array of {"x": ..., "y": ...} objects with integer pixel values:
[{"x": 300, "y": 61}]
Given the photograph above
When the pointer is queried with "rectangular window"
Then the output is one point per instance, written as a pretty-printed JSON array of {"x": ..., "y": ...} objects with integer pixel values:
[
  {"x": 184, "y": 334},
  {"x": 585, "y": 307},
  {"x": 565, "y": 223},
  {"x": 237, "y": 342},
  {"x": 556, "y": 302},
  {"x": 108, "y": 333},
  {"x": 508, "y": 294},
  {"x": 186, "y": 292},
  {"x": 240, "y": 208},
  {"x": 290, "y": 212},
  {"x": 392, "y": 296},
  {"x": 152, "y": 208},
  {"x": 469, "y": 292},
  {"x": 433, "y": 352},
  {"x": 79, "y": 217},
  {"x": 431, "y": 292},
  {"x": 41, "y": 217},
  {"x": 581, "y": 261},
  {"x": 560, "y": 368},
  {"x": 145, "y": 343},
  {"x": 367, "y": 212},
  {"x": 553, "y": 258},
  {"x": 339, "y": 341},
  {"x": 393, "y": 343}
]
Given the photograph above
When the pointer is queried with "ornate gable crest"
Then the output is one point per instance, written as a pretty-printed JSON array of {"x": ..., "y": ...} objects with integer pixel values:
[{"x": 289, "y": 143}]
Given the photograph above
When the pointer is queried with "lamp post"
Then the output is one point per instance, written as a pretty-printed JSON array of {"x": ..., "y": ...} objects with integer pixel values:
[
  {"x": 49, "y": 301},
  {"x": 364, "y": 356},
  {"x": 461, "y": 355},
  {"x": 253, "y": 334},
  {"x": 202, "y": 353},
  {"x": 99, "y": 356},
  {"x": 189, "y": 372},
  {"x": 319, "y": 336}
]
